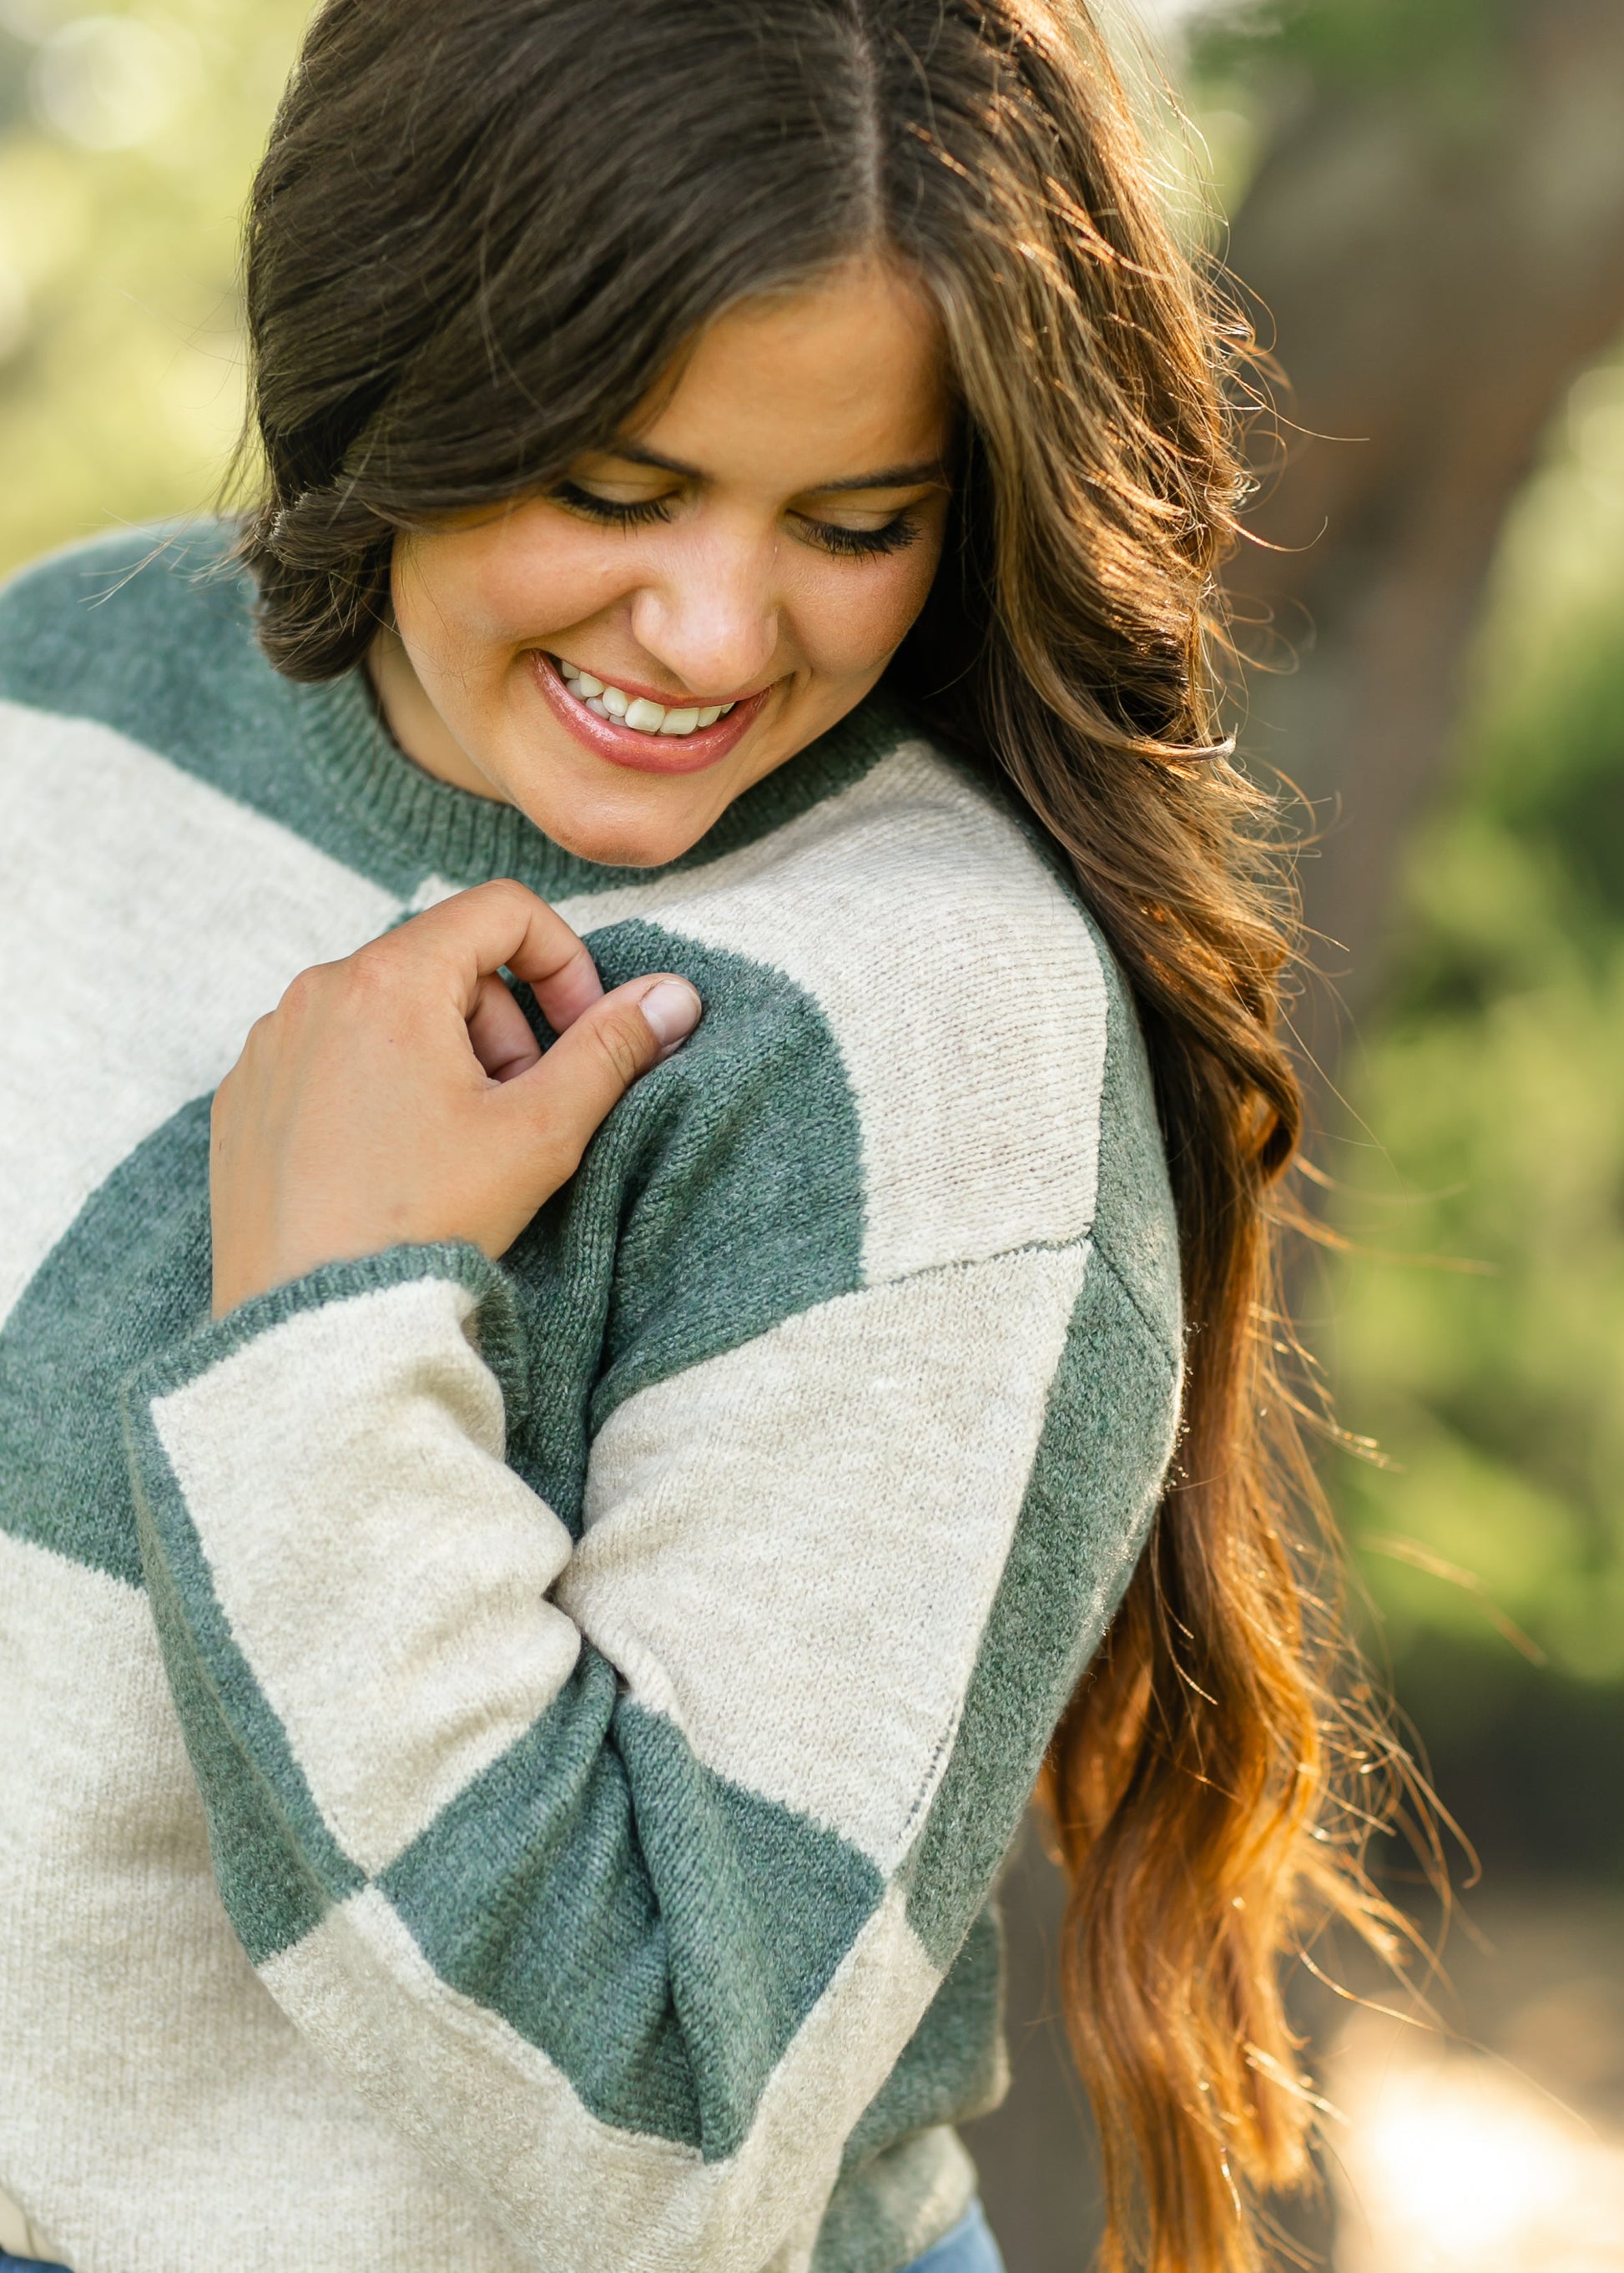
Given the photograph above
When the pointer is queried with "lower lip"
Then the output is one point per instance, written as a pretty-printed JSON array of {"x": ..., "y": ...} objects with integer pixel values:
[{"x": 644, "y": 754}]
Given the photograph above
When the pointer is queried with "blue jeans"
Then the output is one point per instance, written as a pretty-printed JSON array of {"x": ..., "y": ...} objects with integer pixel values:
[{"x": 968, "y": 2249}]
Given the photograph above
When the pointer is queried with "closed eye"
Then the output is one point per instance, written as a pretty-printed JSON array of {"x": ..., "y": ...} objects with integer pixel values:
[
  {"x": 862, "y": 543},
  {"x": 615, "y": 513},
  {"x": 831, "y": 536}
]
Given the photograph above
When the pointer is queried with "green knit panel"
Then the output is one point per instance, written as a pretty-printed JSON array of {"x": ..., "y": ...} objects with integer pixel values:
[
  {"x": 130, "y": 1277},
  {"x": 739, "y": 1168},
  {"x": 659, "y": 1933}
]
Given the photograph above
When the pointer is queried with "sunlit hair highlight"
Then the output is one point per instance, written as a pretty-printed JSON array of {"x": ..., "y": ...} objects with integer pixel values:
[{"x": 469, "y": 263}]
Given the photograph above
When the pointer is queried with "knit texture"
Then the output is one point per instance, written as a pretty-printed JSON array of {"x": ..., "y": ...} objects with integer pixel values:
[{"x": 506, "y": 1765}]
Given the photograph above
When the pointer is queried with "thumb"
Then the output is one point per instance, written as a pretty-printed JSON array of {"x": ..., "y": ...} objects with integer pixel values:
[{"x": 565, "y": 1098}]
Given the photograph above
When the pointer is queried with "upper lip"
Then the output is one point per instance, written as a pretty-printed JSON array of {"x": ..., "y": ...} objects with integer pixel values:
[{"x": 668, "y": 698}]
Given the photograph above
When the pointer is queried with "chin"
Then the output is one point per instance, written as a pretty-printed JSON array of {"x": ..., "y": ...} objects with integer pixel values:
[
  {"x": 624, "y": 840},
  {"x": 618, "y": 817}
]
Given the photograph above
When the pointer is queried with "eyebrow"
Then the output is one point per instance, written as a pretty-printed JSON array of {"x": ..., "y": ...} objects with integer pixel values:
[{"x": 889, "y": 478}]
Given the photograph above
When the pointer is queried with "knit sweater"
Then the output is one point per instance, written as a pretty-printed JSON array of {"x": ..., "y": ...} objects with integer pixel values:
[{"x": 506, "y": 1765}]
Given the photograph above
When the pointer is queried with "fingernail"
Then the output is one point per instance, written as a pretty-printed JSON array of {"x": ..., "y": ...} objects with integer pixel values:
[{"x": 673, "y": 1009}]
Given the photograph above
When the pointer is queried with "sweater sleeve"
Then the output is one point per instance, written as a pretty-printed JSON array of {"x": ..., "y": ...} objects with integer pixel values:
[{"x": 618, "y": 1858}]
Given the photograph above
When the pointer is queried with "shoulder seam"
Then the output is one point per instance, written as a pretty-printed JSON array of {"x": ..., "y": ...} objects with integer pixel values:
[{"x": 973, "y": 1262}]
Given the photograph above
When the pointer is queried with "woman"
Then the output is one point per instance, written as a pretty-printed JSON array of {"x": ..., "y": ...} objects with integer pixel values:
[{"x": 533, "y": 1626}]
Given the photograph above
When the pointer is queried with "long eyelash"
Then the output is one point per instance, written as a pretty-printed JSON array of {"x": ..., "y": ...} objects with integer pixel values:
[
  {"x": 865, "y": 543},
  {"x": 850, "y": 544},
  {"x": 617, "y": 514}
]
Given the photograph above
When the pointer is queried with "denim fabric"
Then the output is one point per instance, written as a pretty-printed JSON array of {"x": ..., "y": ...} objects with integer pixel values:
[
  {"x": 968, "y": 2249},
  {"x": 9, "y": 2264}
]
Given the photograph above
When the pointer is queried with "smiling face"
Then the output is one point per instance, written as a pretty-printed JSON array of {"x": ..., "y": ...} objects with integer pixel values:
[{"x": 763, "y": 540}]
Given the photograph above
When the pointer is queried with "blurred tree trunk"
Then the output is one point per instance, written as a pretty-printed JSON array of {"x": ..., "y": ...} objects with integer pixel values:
[{"x": 1430, "y": 282}]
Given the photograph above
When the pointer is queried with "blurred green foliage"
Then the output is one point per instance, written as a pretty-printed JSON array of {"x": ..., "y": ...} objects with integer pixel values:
[
  {"x": 1430, "y": 44},
  {"x": 1248, "y": 66},
  {"x": 128, "y": 138},
  {"x": 1487, "y": 1357}
]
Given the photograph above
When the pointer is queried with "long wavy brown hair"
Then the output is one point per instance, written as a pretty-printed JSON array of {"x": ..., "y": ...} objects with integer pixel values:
[{"x": 469, "y": 260}]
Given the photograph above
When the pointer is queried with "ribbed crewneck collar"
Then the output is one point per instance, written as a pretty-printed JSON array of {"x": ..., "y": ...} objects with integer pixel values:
[{"x": 431, "y": 828}]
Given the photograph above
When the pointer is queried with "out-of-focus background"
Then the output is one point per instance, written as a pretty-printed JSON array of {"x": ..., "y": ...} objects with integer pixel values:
[{"x": 1426, "y": 202}]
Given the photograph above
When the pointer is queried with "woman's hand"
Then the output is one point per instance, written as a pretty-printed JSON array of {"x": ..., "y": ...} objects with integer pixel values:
[{"x": 400, "y": 1095}]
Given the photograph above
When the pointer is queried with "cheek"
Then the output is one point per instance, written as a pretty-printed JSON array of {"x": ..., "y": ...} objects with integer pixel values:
[
  {"x": 467, "y": 601},
  {"x": 852, "y": 617}
]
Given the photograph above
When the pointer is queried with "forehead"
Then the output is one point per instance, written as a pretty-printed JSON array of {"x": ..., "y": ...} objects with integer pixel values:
[{"x": 844, "y": 378}]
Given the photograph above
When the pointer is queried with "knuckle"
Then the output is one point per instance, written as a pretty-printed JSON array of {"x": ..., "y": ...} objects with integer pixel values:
[
  {"x": 368, "y": 975},
  {"x": 624, "y": 1040},
  {"x": 508, "y": 897},
  {"x": 299, "y": 999},
  {"x": 256, "y": 1041}
]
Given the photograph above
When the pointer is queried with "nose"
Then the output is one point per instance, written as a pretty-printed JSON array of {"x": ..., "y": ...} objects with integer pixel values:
[{"x": 709, "y": 614}]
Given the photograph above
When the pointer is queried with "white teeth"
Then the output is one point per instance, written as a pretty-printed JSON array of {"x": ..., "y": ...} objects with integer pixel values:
[{"x": 637, "y": 711}]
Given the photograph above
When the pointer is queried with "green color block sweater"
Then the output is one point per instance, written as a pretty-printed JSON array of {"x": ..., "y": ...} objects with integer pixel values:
[{"x": 505, "y": 1765}]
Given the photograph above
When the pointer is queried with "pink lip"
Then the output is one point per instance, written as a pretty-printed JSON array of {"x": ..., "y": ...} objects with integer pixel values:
[{"x": 646, "y": 754}]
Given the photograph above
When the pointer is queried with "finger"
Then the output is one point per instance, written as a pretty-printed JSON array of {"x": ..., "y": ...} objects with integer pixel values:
[
  {"x": 590, "y": 1067},
  {"x": 477, "y": 933},
  {"x": 500, "y": 1032}
]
